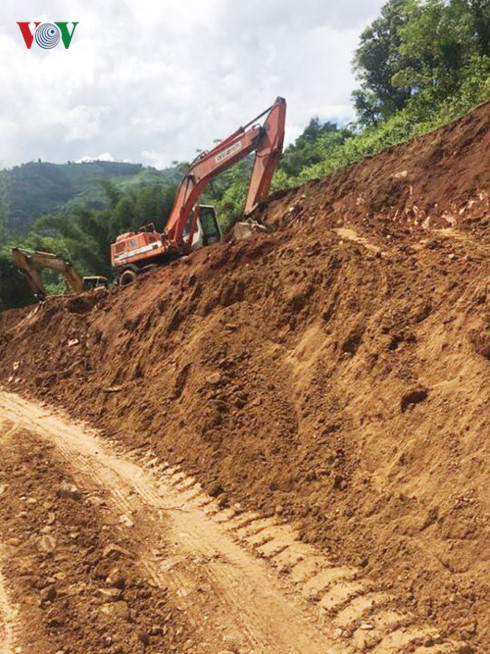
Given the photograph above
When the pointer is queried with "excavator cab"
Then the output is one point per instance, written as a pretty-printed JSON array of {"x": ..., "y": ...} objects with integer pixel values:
[
  {"x": 209, "y": 223},
  {"x": 207, "y": 228}
]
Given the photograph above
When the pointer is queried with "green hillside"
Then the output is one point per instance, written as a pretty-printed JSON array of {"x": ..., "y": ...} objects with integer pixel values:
[{"x": 36, "y": 188}]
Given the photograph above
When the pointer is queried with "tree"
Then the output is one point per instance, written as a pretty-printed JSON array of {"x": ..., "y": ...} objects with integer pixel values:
[
  {"x": 308, "y": 149},
  {"x": 85, "y": 236},
  {"x": 14, "y": 289},
  {"x": 112, "y": 192},
  {"x": 376, "y": 61},
  {"x": 229, "y": 191},
  {"x": 439, "y": 41},
  {"x": 123, "y": 215},
  {"x": 480, "y": 10},
  {"x": 417, "y": 54},
  {"x": 3, "y": 235},
  {"x": 154, "y": 203}
]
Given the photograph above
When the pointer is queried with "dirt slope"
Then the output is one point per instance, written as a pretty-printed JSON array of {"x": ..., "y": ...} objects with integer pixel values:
[
  {"x": 150, "y": 549},
  {"x": 334, "y": 371}
]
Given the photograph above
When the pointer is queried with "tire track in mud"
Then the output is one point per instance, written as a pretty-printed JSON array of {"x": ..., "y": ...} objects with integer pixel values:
[
  {"x": 268, "y": 592},
  {"x": 228, "y": 596}
]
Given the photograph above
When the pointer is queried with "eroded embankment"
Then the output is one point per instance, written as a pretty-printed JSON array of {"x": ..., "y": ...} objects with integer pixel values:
[{"x": 334, "y": 371}]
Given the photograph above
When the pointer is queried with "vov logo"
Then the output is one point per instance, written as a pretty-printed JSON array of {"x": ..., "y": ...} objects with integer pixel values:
[{"x": 47, "y": 35}]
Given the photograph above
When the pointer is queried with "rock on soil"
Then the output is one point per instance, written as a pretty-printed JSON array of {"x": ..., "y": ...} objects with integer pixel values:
[{"x": 67, "y": 600}]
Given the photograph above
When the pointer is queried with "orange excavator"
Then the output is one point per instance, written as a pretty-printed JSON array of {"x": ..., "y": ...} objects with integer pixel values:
[{"x": 191, "y": 225}]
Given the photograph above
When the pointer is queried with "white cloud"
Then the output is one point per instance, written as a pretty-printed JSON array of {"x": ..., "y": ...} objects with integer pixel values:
[
  {"x": 153, "y": 81},
  {"x": 105, "y": 156},
  {"x": 83, "y": 123},
  {"x": 155, "y": 159}
]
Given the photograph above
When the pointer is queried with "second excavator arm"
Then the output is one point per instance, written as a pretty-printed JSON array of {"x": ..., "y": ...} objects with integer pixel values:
[{"x": 30, "y": 263}]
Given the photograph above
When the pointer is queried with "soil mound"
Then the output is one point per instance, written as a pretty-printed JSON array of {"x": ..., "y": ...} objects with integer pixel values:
[{"x": 334, "y": 370}]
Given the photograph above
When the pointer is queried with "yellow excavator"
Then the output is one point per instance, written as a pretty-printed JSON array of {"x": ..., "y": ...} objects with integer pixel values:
[{"x": 31, "y": 262}]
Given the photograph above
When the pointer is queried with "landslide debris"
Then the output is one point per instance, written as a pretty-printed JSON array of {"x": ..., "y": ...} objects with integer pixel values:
[{"x": 335, "y": 369}]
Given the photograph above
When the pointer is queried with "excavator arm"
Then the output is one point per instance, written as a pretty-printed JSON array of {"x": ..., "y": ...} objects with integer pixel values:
[
  {"x": 31, "y": 272},
  {"x": 30, "y": 263},
  {"x": 266, "y": 140},
  {"x": 268, "y": 153}
]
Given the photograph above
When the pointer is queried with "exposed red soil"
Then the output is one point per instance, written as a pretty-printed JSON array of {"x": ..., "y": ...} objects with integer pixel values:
[
  {"x": 73, "y": 570},
  {"x": 334, "y": 370},
  {"x": 10, "y": 317}
]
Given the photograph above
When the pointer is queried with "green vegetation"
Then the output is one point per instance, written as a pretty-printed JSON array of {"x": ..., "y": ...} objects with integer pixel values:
[
  {"x": 420, "y": 64},
  {"x": 38, "y": 188},
  {"x": 14, "y": 291},
  {"x": 84, "y": 236}
]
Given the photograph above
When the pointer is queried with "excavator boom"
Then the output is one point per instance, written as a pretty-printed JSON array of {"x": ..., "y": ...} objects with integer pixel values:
[
  {"x": 32, "y": 273},
  {"x": 268, "y": 152},
  {"x": 266, "y": 140}
]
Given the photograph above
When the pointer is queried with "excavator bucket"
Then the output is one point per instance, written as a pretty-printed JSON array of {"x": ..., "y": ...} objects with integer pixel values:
[{"x": 246, "y": 229}]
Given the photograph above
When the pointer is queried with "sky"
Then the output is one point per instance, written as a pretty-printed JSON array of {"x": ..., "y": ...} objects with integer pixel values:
[{"x": 152, "y": 81}]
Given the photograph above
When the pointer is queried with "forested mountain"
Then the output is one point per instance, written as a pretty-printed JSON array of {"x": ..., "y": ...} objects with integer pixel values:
[{"x": 37, "y": 188}]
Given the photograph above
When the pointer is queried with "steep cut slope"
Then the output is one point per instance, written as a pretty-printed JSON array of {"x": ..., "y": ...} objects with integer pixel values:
[{"x": 334, "y": 371}]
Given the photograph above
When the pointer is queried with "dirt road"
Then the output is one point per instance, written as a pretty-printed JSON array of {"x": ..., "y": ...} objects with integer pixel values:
[{"x": 235, "y": 581}]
